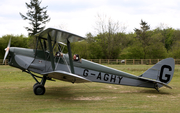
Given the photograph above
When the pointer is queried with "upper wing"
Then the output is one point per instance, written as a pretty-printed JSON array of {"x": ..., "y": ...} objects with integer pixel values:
[
  {"x": 59, "y": 35},
  {"x": 65, "y": 76}
]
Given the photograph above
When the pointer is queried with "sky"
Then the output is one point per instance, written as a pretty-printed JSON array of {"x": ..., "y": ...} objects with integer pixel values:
[{"x": 80, "y": 16}]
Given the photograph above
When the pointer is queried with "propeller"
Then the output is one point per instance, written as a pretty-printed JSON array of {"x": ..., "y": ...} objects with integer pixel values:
[{"x": 7, "y": 50}]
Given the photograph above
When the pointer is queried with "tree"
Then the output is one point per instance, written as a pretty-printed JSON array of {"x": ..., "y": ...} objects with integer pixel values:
[
  {"x": 37, "y": 17},
  {"x": 108, "y": 37},
  {"x": 135, "y": 51},
  {"x": 143, "y": 36},
  {"x": 169, "y": 36},
  {"x": 152, "y": 51},
  {"x": 175, "y": 50}
]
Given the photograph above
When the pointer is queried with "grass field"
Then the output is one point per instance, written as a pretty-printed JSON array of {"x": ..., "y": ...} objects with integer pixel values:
[{"x": 16, "y": 95}]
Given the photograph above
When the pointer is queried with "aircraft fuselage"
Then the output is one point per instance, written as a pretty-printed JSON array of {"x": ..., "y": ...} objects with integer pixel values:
[{"x": 25, "y": 60}]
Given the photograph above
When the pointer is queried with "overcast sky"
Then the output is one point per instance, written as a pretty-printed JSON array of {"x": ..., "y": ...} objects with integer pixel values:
[{"x": 79, "y": 16}]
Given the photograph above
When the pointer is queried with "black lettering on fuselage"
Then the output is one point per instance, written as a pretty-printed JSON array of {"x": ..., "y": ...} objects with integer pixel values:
[
  {"x": 120, "y": 78},
  {"x": 113, "y": 78},
  {"x": 106, "y": 77},
  {"x": 99, "y": 76},
  {"x": 85, "y": 73},
  {"x": 168, "y": 76}
]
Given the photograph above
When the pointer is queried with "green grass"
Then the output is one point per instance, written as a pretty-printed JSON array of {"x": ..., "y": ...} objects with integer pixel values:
[{"x": 16, "y": 95}]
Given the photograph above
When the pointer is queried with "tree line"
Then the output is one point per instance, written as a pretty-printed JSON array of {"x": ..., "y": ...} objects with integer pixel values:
[{"x": 143, "y": 43}]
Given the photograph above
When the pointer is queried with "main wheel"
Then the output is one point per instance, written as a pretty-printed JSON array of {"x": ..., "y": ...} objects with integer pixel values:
[
  {"x": 35, "y": 84},
  {"x": 39, "y": 89}
]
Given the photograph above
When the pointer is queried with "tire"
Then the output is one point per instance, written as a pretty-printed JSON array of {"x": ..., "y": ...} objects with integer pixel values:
[
  {"x": 35, "y": 84},
  {"x": 39, "y": 89}
]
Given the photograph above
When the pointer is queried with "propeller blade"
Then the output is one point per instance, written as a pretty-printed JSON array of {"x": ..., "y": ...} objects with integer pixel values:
[
  {"x": 7, "y": 50},
  {"x": 9, "y": 43}
]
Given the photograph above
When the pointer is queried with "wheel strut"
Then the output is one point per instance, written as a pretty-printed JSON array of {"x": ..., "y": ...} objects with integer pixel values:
[{"x": 38, "y": 87}]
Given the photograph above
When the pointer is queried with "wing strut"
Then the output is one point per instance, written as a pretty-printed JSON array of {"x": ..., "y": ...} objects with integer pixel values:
[
  {"x": 70, "y": 56},
  {"x": 51, "y": 52}
]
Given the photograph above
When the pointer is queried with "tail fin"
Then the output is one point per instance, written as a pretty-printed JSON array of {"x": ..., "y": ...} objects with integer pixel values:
[{"x": 162, "y": 71}]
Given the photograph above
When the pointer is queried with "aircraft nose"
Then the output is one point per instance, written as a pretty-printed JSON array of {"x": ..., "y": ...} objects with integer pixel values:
[{"x": 11, "y": 49}]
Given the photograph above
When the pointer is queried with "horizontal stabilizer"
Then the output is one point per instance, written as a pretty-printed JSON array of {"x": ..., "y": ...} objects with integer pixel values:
[
  {"x": 155, "y": 81},
  {"x": 65, "y": 76}
]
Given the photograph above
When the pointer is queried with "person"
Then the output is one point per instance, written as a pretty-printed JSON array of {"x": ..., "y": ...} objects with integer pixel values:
[
  {"x": 58, "y": 54},
  {"x": 76, "y": 57}
]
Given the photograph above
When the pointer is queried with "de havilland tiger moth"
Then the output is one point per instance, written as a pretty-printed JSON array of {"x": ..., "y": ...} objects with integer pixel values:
[{"x": 48, "y": 60}]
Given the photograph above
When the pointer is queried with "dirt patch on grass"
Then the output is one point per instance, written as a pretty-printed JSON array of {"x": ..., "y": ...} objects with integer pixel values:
[
  {"x": 83, "y": 98},
  {"x": 88, "y": 98},
  {"x": 152, "y": 96},
  {"x": 112, "y": 87},
  {"x": 132, "y": 91}
]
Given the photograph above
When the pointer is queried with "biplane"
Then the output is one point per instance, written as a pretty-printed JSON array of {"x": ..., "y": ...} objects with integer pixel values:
[{"x": 48, "y": 60}]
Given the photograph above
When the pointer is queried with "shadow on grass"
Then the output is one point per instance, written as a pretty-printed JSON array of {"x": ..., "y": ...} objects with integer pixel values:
[
  {"x": 59, "y": 91},
  {"x": 69, "y": 91},
  {"x": 151, "y": 91}
]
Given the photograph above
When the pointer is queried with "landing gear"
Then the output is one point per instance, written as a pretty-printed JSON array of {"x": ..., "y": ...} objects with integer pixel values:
[
  {"x": 35, "y": 84},
  {"x": 39, "y": 89}
]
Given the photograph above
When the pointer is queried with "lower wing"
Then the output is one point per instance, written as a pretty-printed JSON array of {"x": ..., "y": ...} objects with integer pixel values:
[{"x": 65, "y": 76}]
